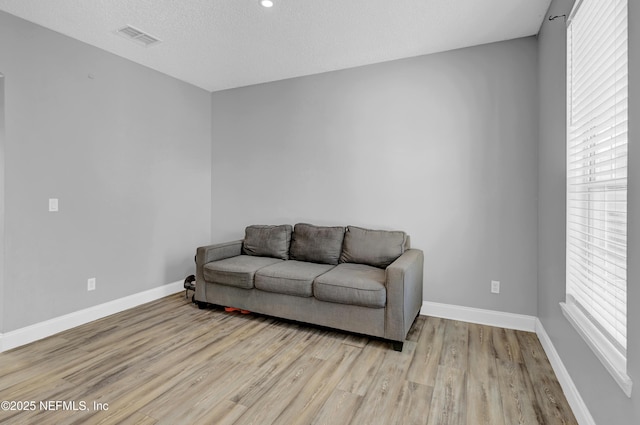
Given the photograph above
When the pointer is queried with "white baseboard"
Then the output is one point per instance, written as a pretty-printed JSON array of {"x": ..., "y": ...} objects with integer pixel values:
[
  {"x": 580, "y": 410},
  {"x": 50, "y": 327},
  {"x": 500, "y": 319},
  {"x": 522, "y": 323}
]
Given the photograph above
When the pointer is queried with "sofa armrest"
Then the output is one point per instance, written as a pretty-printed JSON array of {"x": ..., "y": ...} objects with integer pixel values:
[
  {"x": 404, "y": 293},
  {"x": 209, "y": 253},
  {"x": 219, "y": 251}
]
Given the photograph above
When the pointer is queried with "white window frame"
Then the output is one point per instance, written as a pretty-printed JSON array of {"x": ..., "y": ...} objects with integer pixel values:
[{"x": 604, "y": 337}]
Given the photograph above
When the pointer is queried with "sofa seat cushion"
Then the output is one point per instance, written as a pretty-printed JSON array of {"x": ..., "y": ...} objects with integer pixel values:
[
  {"x": 236, "y": 271},
  {"x": 290, "y": 277},
  {"x": 355, "y": 284}
]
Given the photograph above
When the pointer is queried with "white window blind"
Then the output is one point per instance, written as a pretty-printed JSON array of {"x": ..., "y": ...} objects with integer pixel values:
[{"x": 596, "y": 300}]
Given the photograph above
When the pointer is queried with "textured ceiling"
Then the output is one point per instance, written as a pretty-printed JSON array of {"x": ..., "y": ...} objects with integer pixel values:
[{"x": 219, "y": 44}]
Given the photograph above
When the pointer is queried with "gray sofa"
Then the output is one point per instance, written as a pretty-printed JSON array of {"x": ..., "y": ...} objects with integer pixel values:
[{"x": 348, "y": 278}]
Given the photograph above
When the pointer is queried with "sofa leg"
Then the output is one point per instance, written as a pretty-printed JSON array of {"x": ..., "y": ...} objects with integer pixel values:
[
  {"x": 201, "y": 305},
  {"x": 397, "y": 345}
]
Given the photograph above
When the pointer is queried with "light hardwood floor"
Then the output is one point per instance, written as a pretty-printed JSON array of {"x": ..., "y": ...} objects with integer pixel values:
[{"x": 169, "y": 363}]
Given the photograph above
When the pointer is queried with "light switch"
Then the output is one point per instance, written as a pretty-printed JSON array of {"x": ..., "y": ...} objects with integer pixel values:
[{"x": 53, "y": 204}]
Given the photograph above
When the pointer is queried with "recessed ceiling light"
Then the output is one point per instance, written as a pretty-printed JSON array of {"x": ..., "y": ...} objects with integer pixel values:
[{"x": 266, "y": 3}]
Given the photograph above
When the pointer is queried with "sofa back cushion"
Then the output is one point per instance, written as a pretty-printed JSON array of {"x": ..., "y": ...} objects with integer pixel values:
[
  {"x": 377, "y": 248},
  {"x": 317, "y": 244},
  {"x": 267, "y": 241}
]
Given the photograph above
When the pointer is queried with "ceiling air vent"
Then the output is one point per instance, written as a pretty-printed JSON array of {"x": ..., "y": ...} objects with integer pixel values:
[{"x": 138, "y": 36}]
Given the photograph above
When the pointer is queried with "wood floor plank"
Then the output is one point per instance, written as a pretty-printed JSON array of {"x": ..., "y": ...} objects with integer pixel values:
[
  {"x": 265, "y": 410},
  {"x": 356, "y": 340},
  {"x": 338, "y": 409},
  {"x": 169, "y": 362},
  {"x": 518, "y": 399},
  {"x": 484, "y": 400},
  {"x": 414, "y": 404},
  {"x": 205, "y": 411},
  {"x": 455, "y": 345},
  {"x": 194, "y": 381},
  {"x": 268, "y": 351},
  {"x": 217, "y": 406},
  {"x": 260, "y": 382},
  {"x": 190, "y": 350},
  {"x": 382, "y": 396},
  {"x": 547, "y": 390},
  {"x": 505, "y": 342},
  {"x": 140, "y": 419},
  {"x": 448, "y": 400},
  {"x": 76, "y": 394},
  {"x": 135, "y": 400},
  {"x": 312, "y": 396},
  {"x": 424, "y": 365},
  {"x": 49, "y": 373},
  {"x": 359, "y": 378}
]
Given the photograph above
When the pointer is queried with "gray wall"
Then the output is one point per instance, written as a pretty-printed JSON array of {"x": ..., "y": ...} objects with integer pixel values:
[
  {"x": 125, "y": 149},
  {"x": 442, "y": 146},
  {"x": 604, "y": 398},
  {"x": 1, "y": 201}
]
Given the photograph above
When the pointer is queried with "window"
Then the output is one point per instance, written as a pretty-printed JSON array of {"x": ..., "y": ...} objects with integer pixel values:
[{"x": 596, "y": 300}]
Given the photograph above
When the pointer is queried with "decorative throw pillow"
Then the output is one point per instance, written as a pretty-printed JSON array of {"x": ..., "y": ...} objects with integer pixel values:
[
  {"x": 377, "y": 248},
  {"x": 317, "y": 244},
  {"x": 267, "y": 241}
]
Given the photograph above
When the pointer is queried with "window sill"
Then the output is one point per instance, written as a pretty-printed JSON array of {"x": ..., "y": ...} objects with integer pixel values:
[{"x": 601, "y": 347}]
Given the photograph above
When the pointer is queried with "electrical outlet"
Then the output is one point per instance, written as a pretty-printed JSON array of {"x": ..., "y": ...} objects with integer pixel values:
[
  {"x": 91, "y": 284},
  {"x": 495, "y": 286},
  {"x": 53, "y": 204}
]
